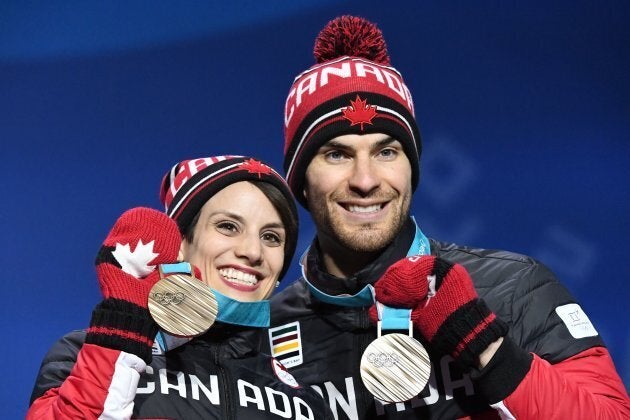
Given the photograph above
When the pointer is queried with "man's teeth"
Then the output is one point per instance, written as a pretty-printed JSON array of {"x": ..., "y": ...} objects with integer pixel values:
[
  {"x": 236, "y": 276},
  {"x": 364, "y": 209}
]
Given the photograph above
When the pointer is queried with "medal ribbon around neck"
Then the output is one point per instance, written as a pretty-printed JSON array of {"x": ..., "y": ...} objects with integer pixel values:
[
  {"x": 365, "y": 297},
  {"x": 396, "y": 367},
  {"x": 184, "y": 306}
]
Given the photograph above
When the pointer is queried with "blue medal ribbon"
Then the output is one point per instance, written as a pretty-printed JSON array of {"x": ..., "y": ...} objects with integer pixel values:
[
  {"x": 365, "y": 297},
  {"x": 231, "y": 311}
]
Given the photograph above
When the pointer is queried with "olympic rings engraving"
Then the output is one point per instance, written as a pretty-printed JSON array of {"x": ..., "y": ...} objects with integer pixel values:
[
  {"x": 169, "y": 297},
  {"x": 383, "y": 359}
]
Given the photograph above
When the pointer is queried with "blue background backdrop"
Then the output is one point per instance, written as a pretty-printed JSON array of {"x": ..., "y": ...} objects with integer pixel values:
[{"x": 524, "y": 111}]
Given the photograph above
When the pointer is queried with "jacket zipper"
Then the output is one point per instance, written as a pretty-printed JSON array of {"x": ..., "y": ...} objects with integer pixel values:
[
  {"x": 365, "y": 338},
  {"x": 226, "y": 402}
]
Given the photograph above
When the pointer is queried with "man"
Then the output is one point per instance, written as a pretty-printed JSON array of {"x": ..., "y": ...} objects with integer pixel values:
[{"x": 505, "y": 338}]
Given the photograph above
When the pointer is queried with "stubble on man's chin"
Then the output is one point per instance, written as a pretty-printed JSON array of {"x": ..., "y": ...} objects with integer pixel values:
[{"x": 368, "y": 238}]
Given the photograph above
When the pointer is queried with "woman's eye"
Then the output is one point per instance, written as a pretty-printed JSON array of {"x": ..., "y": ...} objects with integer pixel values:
[
  {"x": 271, "y": 238},
  {"x": 227, "y": 227}
]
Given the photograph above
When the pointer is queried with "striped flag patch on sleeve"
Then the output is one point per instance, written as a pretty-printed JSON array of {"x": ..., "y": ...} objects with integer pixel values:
[{"x": 286, "y": 344}]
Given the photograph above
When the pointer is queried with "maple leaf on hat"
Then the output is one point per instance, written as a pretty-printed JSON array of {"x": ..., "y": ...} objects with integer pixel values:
[
  {"x": 254, "y": 166},
  {"x": 135, "y": 262},
  {"x": 359, "y": 112}
]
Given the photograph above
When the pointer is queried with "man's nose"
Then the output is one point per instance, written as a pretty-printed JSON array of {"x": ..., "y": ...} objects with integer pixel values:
[{"x": 364, "y": 178}]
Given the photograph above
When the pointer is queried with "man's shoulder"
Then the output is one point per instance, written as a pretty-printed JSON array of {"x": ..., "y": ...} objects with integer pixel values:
[
  {"x": 295, "y": 290},
  {"x": 464, "y": 253},
  {"x": 490, "y": 267},
  {"x": 469, "y": 255},
  {"x": 291, "y": 302},
  {"x": 67, "y": 347}
]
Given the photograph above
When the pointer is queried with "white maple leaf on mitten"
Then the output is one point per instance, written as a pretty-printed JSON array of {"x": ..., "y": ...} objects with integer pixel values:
[{"x": 135, "y": 262}]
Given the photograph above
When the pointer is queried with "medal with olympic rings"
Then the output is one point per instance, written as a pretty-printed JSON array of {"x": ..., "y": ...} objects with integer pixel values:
[
  {"x": 181, "y": 304},
  {"x": 395, "y": 367}
]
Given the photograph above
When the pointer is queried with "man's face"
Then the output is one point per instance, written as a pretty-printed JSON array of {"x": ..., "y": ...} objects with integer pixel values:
[{"x": 358, "y": 189}]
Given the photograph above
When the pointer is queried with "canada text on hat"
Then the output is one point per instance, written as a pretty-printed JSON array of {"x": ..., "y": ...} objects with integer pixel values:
[
  {"x": 331, "y": 75},
  {"x": 352, "y": 90}
]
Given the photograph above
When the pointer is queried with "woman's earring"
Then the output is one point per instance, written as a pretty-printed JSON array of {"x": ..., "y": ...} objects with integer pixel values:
[{"x": 277, "y": 284}]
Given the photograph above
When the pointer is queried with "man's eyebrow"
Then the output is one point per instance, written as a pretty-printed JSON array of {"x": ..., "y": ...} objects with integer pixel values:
[
  {"x": 385, "y": 142},
  {"x": 334, "y": 144}
]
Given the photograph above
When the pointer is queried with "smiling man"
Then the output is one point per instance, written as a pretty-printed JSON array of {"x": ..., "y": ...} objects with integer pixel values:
[
  {"x": 505, "y": 338},
  {"x": 359, "y": 192}
]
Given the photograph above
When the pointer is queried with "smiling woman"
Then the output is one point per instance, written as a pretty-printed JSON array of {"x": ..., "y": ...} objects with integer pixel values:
[
  {"x": 240, "y": 252},
  {"x": 233, "y": 219},
  {"x": 237, "y": 204}
]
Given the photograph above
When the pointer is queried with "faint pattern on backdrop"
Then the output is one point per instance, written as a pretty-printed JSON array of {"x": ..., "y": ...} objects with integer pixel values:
[{"x": 524, "y": 111}]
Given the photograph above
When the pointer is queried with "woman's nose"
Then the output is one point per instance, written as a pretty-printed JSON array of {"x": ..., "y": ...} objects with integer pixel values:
[{"x": 250, "y": 248}]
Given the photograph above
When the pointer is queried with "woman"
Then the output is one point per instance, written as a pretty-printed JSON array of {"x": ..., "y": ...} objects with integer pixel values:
[{"x": 238, "y": 222}]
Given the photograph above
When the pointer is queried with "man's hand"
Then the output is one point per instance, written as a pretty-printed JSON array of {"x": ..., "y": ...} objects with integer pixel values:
[{"x": 445, "y": 307}]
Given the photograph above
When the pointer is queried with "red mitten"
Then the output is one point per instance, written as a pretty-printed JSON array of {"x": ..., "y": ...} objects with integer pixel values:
[
  {"x": 140, "y": 240},
  {"x": 445, "y": 307}
]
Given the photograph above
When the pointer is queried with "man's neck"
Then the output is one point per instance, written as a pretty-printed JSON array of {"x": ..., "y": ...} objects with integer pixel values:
[{"x": 340, "y": 261}]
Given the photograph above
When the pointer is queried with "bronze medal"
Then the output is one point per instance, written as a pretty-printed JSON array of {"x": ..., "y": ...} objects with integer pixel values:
[
  {"x": 395, "y": 368},
  {"x": 182, "y": 305}
]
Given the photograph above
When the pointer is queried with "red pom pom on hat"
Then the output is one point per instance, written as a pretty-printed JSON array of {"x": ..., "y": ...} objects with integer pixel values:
[
  {"x": 353, "y": 72},
  {"x": 351, "y": 36}
]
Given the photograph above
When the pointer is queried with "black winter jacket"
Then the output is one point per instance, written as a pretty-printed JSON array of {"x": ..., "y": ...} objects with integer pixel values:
[
  {"x": 328, "y": 340},
  {"x": 219, "y": 375}
]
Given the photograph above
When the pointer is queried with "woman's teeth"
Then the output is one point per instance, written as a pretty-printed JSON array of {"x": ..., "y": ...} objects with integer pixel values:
[
  {"x": 364, "y": 209},
  {"x": 236, "y": 276}
]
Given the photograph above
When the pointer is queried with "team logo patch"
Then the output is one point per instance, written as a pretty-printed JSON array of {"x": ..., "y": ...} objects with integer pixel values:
[
  {"x": 576, "y": 320},
  {"x": 283, "y": 374},
  {"x": 286, "y": 344}
]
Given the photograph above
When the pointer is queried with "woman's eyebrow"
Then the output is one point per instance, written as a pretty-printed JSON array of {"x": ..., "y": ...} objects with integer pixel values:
[{"x": 226, "y": 213}]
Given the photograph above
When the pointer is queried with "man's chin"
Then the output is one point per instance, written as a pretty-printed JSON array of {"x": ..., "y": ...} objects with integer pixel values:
[{"x": 368, "y": 238}]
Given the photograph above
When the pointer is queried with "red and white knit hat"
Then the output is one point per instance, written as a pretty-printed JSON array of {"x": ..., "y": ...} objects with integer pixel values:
[
  {"x": 189, "y": 184},
  {"x": 352, "y": 90}
]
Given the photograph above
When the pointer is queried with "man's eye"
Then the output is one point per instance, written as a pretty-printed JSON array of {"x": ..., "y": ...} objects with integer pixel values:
[
  {"x": 388, "y": 153},
  {"x": 334, "y": 155}
]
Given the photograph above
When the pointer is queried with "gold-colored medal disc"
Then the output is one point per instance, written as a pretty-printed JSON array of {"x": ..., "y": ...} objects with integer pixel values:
[
  {"x": 395, "y": 368},
  {"x": 183, "y": 305}
]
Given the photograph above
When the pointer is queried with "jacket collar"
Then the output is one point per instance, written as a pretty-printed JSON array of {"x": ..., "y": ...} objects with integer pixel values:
[
  {"x": 235, "y": 340},
  {"x": 356, "y": 290}
]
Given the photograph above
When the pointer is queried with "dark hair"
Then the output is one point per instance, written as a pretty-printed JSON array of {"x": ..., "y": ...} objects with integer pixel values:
[{"x": 287, "y": 216}]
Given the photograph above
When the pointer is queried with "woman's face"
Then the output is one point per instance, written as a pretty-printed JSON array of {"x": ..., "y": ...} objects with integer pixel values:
[{"x": 238, "y": 243}]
